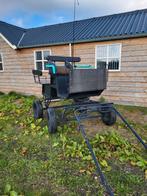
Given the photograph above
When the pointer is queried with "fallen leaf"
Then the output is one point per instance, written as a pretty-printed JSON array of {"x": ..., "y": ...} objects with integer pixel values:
[
  {"x": 13, "y": 193},
  {"x": 82, "y": 170},
  {"x": 24, "y": 151},
  {"x": 104, "y": 163},
  {"x": 145, "y": 174},
  {"x": 7, "y": 188}
]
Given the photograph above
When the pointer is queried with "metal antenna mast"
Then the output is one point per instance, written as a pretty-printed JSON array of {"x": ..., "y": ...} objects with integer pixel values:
[{"x": 76, "y": 2}]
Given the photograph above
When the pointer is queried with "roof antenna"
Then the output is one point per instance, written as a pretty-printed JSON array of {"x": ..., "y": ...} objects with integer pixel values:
[{"x": 76, "y": 2}]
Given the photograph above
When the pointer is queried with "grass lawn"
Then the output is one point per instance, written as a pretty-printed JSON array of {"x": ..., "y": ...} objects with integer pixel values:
[{"x": 32, "y": 162}]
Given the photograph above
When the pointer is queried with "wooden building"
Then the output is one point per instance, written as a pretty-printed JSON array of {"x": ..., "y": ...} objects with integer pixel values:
[{"x": 117, "y": 41}]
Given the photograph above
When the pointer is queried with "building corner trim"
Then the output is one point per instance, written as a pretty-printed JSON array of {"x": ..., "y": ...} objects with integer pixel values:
[{"x": 7, "y": 41}]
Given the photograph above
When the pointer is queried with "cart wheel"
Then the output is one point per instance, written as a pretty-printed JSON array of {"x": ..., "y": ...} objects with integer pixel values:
[
  {"x": 109, "y": 118},
  {"x": 52, "y": 123},
  {"x": 37, "y": 109}
]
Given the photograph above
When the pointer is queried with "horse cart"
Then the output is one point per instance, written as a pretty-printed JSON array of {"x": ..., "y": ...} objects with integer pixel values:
[{"x": 76, "y": 82}]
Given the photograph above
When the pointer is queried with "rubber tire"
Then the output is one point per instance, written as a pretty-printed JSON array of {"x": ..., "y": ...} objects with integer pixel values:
[
  {"x": 52, "y": 122},
  {"x": 109, "y": 118},
  {"x": 37, "y": 109}
]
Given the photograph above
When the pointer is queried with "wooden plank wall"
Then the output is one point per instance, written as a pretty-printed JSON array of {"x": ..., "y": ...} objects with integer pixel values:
[{"x": 128, "y": 86}]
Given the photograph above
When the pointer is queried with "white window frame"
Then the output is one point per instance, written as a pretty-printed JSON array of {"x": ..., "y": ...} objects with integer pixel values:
[
  {"x": 35, "y": 61},
  {"x": 107, "y": 57},
  {"x": 2, "y": 62}
]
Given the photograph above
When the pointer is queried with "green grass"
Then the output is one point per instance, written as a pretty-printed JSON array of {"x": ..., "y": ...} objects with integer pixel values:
[
  {"x": 32, "y": 162},
  {"x": 129, "y": 108}
]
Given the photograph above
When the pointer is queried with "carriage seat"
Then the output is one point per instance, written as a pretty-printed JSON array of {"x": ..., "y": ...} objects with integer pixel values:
[
  {"x": 62, "y": 70},
  {"x": 57, "y": 70}
]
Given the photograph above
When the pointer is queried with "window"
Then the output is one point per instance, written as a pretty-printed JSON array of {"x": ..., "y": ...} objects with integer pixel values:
[
  {"x": 40, "y": 59},
  {"x": 109, "y": 56},
  {"x": 1, "y": 63}
]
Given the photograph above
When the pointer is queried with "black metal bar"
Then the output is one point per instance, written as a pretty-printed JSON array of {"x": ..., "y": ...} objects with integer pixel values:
[
  {"x": 94, "y": 106},
  {"x": 82, "y": 118},
  {"x": 100, "y": 107},
  {"x": 89, "y": 117},
  {"x": 131, "y": 128},
  {"x": 98, "y": 167},
  {"x": 37, "y": 72},
  {"x": 86, "y": 105},
  {"x": 63, "y": 59}
]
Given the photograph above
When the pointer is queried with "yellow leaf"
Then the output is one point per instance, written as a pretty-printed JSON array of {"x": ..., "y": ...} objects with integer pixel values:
[
  {"x": 104, "y": 163},
  {"x": 146, "y": 174},
  {"x": 82, "y": 170},
  {"x": 133, "y": 163},
  {"x": 108, "y": 169},
  {"x": 88, "y": 172},
  {"x": 24, "y": 151},
  {"x": 33, "y": 126}
]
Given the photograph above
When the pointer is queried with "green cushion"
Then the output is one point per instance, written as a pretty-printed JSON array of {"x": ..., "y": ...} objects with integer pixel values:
[{"x": 84, "y": 66}]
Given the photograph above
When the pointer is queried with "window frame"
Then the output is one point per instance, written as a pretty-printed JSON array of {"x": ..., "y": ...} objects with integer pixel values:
[
  {"x": 107, "y": 57},
  {"x": 2, "y": 62},
  {"x": 42, "y": 60}
]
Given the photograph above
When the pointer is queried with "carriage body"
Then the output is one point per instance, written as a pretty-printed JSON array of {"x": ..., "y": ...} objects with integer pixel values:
[{"x": 69, "y": 82}]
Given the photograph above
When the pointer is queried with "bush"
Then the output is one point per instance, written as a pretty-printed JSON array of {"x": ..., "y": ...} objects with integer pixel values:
[
  {"x": 1, "y": 93},
  {"x": 102, "y": 99}
]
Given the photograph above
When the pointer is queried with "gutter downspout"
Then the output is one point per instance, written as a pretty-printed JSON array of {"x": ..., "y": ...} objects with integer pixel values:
[{"x": 70, "y": 49}]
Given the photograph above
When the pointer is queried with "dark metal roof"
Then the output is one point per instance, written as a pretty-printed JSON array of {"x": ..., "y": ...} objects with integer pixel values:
[
  {"x": 117, "y": 26},
  {"x": 53, "y": 34},
  {"x": 12, "y": 33}
]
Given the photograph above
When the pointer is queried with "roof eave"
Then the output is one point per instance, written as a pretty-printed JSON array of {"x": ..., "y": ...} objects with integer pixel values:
[
  {"x": 118, "y": 37},
  {"x": 43, "y": 45},
  {"x": 8, "y": 42},
  {"x": 99, "y": 39}
]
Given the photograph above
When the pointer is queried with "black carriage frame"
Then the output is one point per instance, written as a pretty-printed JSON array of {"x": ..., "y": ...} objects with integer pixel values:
[{"x": 82, "y": 109}]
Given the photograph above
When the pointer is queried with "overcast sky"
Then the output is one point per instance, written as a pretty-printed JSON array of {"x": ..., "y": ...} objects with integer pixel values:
[{"x": 32, "y": 13}]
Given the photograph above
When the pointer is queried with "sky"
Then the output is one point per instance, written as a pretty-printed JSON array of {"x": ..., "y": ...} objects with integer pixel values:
[{"x": 33, "y": 13}]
